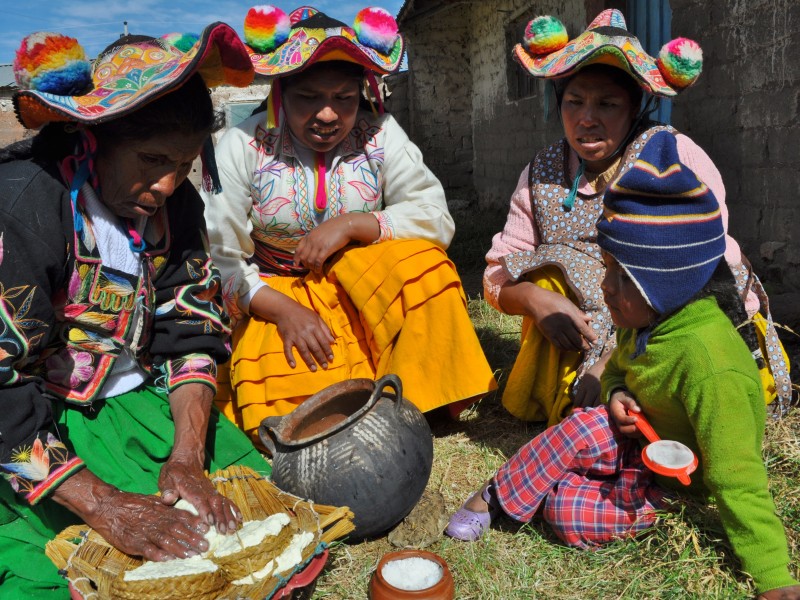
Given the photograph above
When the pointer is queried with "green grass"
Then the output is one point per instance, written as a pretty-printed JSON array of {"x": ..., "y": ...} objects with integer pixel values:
[{"x": 685, "y": 556}]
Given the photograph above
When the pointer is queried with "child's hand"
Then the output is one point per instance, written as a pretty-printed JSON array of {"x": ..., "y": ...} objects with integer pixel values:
[
  {"x": 618, "y": 405},
  {"x": 588, "y": 392},
  {"x": 791, "y": 592}
]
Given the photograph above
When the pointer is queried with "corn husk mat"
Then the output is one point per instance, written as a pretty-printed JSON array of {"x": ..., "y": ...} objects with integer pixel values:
[{"x": 96, "y": 569}]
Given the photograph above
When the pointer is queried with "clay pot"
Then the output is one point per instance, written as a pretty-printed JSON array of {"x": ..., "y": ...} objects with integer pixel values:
[
  {"x": 380, "y": 589},
  {"x": 352, "y": 444}
]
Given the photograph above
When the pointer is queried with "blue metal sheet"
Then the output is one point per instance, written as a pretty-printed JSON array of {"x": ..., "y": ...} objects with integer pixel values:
[{"x": 651, "y": 22}]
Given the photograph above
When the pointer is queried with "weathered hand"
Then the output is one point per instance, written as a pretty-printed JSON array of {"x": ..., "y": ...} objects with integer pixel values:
[
  {"x": 562, "y": 323},
  {"x": 621, "y": 400},
  {"x": 137, "y": 524},
  {"x": 186, "y": 479},
  {"x": 302, "y": 328},
  {"x": 144, "y": 526},
  {"x": 791, "y": 592},
  {"x": 323, "y": 241}
]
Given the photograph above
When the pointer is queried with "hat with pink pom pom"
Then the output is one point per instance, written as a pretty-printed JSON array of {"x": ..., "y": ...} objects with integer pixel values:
[
  {"x": 547, "y": 52},
  {"x": 280, "y": 44}
]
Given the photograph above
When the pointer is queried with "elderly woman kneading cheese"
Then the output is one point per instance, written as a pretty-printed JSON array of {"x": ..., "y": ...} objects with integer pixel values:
[{"x": 111, "y": 323}]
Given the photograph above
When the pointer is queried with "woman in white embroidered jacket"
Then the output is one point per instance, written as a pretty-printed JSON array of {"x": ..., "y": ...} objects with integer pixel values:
[{"x": 330, "y": 231}]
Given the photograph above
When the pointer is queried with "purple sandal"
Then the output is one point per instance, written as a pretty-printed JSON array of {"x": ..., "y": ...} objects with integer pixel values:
[{"x": 467, "y": 525}]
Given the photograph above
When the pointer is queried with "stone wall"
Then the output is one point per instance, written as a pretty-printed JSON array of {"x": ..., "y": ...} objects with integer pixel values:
[
  {"x": 744, "y": 112},
  {"x": 221, "y": 97},
  {"x": 10, "y": 128}
]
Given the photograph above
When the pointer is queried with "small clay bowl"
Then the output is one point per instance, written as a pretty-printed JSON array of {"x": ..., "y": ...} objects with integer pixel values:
[{"x": 380, "y": 589}]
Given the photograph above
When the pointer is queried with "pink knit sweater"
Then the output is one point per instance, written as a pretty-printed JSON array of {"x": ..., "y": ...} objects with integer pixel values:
[{"x": 520, "y": 231}]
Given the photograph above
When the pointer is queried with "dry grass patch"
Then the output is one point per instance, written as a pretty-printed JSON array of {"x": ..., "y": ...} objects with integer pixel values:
[{"x": 685, "y": 556}]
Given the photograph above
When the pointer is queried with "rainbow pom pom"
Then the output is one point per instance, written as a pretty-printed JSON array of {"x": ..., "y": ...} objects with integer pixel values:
[
  {"x": 266, "y": 27},
  {"x": 680, "y": 62},
  {"x": 53, "y": 63},
  {"x": 181, "y": 41},
  {"x": 544, "y": 35},
  {"x": 376, "y": 28}
]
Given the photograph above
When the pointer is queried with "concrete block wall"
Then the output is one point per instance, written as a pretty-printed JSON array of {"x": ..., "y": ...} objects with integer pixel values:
[
  {"x": 507, "y": 131},
  {"x": 744, "y": 112},
  {"x": 397, "y": 101},
  {"x": 440, "y": 102}
]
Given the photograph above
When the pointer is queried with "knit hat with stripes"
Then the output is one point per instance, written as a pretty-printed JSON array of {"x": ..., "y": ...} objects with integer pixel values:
[{"x": 663, "y": 226}]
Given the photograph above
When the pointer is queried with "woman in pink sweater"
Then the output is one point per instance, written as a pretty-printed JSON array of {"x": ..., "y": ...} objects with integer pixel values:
[{"x": 545, "y": 265}]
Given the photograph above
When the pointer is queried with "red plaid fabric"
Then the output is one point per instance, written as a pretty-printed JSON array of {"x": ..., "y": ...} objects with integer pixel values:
[{"x": 590, "y": 477}]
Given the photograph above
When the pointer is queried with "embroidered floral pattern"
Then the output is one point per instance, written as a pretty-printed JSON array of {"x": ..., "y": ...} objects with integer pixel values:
[
  {"x": 283, "y": 204},
  {"x": 193, "y": 368},
  {"x": 70, "y": 368},
  {"x": 40, "y": 466},
  {"x": 385, "y": 225}
]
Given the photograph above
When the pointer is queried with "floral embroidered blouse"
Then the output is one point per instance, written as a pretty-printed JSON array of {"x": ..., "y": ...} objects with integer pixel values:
[
  {"x": 65, "y": 316},
  {"x": 268, "y": 200}
]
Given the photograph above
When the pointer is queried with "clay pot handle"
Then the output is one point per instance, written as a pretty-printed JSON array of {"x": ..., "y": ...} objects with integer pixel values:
[
  {"x": 393, "y": 381},
  {"x": 266, "y": 432}
]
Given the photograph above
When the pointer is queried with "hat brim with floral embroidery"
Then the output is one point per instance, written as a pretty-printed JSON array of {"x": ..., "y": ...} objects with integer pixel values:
[
  {"x": 124, "y": 78},
  {"x": 281, "y": 44},
  {"x": 547, "y": 52}
]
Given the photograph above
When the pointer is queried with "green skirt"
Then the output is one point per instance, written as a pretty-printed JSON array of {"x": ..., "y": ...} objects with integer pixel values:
[{"x": 124, "y": 440}]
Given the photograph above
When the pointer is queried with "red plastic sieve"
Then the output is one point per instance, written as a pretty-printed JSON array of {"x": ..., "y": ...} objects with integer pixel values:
[{"x": 665, "y": 457}]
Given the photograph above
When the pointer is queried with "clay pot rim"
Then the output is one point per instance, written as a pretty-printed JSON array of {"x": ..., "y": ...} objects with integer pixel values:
[
  {"x": 373, "y": 387},
  {"x": 412, "y": 553},
  {"x": 305, "y": 408}
]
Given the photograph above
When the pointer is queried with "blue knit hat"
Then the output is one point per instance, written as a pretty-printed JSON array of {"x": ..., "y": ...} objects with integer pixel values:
[{"x": 663, "y": 226}]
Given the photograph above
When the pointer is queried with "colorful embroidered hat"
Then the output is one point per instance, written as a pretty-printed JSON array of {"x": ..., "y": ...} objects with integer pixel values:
[
  {"x": 281, "y": 44},
  {"x": 122, "y": 79},
  {"x": 546, "y": 52},
  {"x": 663, "y": 226}
]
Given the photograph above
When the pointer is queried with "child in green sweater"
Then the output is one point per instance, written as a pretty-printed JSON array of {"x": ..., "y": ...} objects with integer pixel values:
[{"x": 680, "y": 361}]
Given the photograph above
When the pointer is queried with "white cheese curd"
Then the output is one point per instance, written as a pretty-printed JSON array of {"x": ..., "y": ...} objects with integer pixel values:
[
  {"x": 212, "y": 536},
  {"x": 263, "y": 572},
  {"x": 293, "y": 554},
  {"x": 413, "y": 573},
  {"x": 177, "y": 567},
  {"x": 670, "y": 454},
  {"x": 288, "y": 559},
  {"x": 187, "y": 506},
  {"x": 252, "y": 533}
]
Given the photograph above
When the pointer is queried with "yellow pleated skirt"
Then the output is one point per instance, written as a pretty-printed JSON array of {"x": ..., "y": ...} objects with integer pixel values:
[
  {"x": 393, "y": 307},
  {"x": 539, "y": 385}
]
